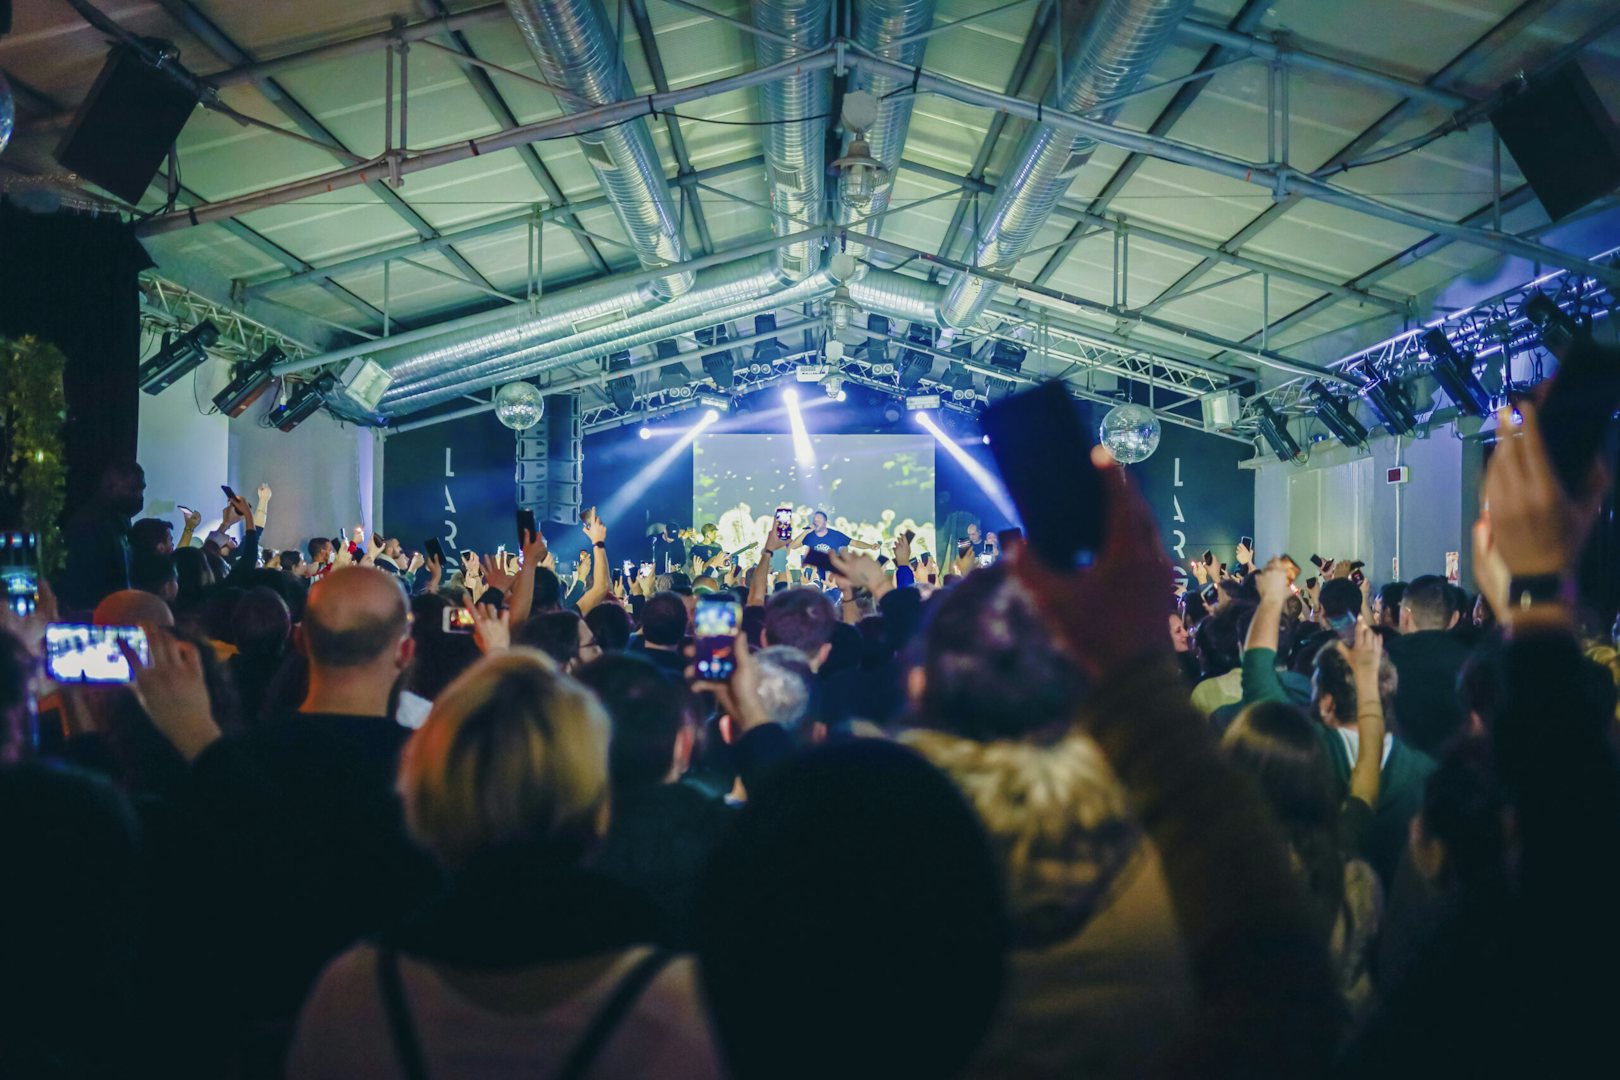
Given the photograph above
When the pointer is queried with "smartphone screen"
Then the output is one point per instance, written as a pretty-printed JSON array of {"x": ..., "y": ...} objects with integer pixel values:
[
  {"x": 629, "y": 567},
  {"x": 432, "y": 546},
  {"x": 784, "y": 524},
  {"x": 458, "y": 620},
  {"x": 646, "y": 569},
  {"x": 716, "y": 621},
  {"x": 79, "y": 653},
  {"x": 1209, "y": 557},
  {"x": 1316, "y": 561},
  {"x": 230, "y": 496},
  {"x": 1246, "y": 541},
  {"x": 987, "y": 560}
]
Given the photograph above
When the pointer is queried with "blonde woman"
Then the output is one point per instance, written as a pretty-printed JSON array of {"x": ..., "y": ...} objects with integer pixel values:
[{"x": 528, "y": 964}]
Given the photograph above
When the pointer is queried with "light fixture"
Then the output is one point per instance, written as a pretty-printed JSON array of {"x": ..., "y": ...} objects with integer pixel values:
[
  {"x": 1455, "y": 374},
  {"x": 363, "y": 382},
  {"x": 1558, "y": 330},
  {"x": 675, "y": 381},
  {"x": 711, "y": 399},
  {"x": 1334, "y": 412},
  {"x": 812, "y": 372},
  {"x": 621, "y": 390},
  {"x": 177, "y": 357},
  {"x": 861, "y": 176},
  {"x": 302, "y": 402},
  {"x": 916, "y": 402},
  {"x": 645, "y": 432},
  {"x": 249, "y": 383},
  {"x": 1389, "y": 402},
  {"x": 768, "y": 351},
  {"x": 916, "y": 364},
  {"x": 519, "y": 405},
  {"x": 717, "y": 364},
  {"x": 1274, "y": 429},
  {"x": 1006, "y": 355},
  {"x": 834, "y": 385}
]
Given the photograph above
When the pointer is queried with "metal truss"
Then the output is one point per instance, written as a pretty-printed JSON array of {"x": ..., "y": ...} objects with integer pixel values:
[
  {"x": 1491, "y": 332},
  {"x": 170, "y": 308}
]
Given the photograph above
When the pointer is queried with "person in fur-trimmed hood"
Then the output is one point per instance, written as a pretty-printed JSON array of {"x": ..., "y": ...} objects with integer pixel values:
[{"x": 1098, "y": 978}]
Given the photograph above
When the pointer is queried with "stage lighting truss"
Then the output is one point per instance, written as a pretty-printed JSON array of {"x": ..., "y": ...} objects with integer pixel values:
[
  {"x": 1334, "y": 412},
  {"x": 1501, "y": 342}
]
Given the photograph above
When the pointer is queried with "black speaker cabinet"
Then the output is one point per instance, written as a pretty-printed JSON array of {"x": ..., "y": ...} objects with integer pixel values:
[
  {"x": 1563, "y": 141},
  {"x": 125, "y": 127}
]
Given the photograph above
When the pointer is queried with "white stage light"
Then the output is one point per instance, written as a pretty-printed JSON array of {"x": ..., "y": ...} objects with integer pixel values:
[
  {"x": 710, "y": 416},
  {"x": 791, "y": 396},
  {"x": 646, "y": 432}
]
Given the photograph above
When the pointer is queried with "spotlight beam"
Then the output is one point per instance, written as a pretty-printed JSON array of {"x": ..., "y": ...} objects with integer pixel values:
[
  {"x": 631, "y": 493},
  {"x": 988, "y": 482},
  {"x": 803, "y": 452}
]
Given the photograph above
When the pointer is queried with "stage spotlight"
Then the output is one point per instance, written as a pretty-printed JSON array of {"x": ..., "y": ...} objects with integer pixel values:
[
  {"x": 645, "y": 432},
  {"x": 1006, "y": 355},
  {"x": 621, "y": 390},
  {"x": 1274, "y": 429},
  {"x": 363, "y": 382},
  {"x": 718, "y": 364},
  {"x": 249, "y": 384},
  {"x": 721, "y": 403},
  {"x": 803, "y": 452},
  {"x": 842, "y": 395},
  {"x": 987, "y": 481},
  {"x": 177, "y": 357},
  {"x": 1335, "y": 414},
  {"x": 1558, "y": 330},
  {"x": 1389, "y": 403},
  {"x": 985, "y": 439},
  {"x": 768, "y": 351},
  {"x": 892, "y": 412},
  {"x": 302, "y": 403},
  {"x": 1455, "y": 374},
  {"x": 916, "y": 365},
  {"x": 916, "y": 402}
]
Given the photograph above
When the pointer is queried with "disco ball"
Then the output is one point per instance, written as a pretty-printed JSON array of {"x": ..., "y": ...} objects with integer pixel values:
[
  {"x": 519, "y": 405},
  {"x": 8, "y": 112},
  {"x": 1130, "y": 432}
]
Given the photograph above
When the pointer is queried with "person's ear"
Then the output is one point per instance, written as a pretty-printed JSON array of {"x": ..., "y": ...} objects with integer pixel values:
[
  {"x": 822, "y": 654},
  {"x": 1405, "y": 620},
  {"x": 406, "y": 653},
  {"x": 916, "y": 684},
  {"x": 1328, "y": 708},
  {"x": 1455, "y": 615},
  {"x": 299, "y": 642}
]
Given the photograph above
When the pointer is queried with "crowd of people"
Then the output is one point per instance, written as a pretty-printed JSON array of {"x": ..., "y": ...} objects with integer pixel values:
[{"x": 977, "y": 816}]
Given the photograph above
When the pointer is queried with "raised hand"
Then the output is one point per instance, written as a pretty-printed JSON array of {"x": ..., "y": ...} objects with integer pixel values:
[
  {"x": 595, "y": 529},
  {"x": 1538, "y": 529},
  {"x": 435, "y": 567},
  {"x": 173, "y": 692},
  {"x": 1130, "y": 581},
  {"x": 534, "y": 548},
  {"x": 492, "y": 627},
  {"x": 1272, "y": 582},
  {"x": 861, "y": 571},
  {"x": 264, "y": 493},
  {"x": 1200, "y": 571},
  {"x": 415, "y": 563},
  {"x": 192, "y": 519},
  {"x": 738, "y": 698},
  {"x": 495, "y": 572}
]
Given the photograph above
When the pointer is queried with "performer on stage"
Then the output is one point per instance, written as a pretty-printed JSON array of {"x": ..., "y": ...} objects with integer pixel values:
[{"x": 822, "y": 538}]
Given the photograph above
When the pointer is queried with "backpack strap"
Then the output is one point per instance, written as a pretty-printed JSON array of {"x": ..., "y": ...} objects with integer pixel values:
[
  {"x": 609, "y": 1016},
  {"x": 400, "y": 1025}
]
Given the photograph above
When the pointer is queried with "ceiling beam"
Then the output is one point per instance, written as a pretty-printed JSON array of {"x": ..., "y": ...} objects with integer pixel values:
[{"x": 655, "y": 65}]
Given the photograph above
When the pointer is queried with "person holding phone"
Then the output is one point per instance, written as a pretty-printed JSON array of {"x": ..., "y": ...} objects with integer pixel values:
[{"x": 96, "y": 538}]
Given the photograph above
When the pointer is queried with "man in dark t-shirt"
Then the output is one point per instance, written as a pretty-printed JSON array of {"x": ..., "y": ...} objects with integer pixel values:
[{"x": 822, "y": 538}]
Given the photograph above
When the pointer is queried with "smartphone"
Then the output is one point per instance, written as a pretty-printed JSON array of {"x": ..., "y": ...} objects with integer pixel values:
[
  {"x": 1310, "y": 583},
  {"x": 19, "y": 572},
  {"x": 230, "y": 496},
  {"x": 910, "y": 536},
  {"x": 716, "y": 623},
  {"x": 1357, "y": 578},
  {"x": 183, "y": 508},
  {"x": 963, "y": 547},
  {"x": 821, "y": 560},
  {"x": 629, "y": 568},
  {"x": 1316, "y": 561},
  {"x": 1208, "y": 557},
  {"x": 1035, "y": 436},
  {"x": 784, "y": 524},
  {"x": 1246, "y": 541},
  {"x": 646, "y": 569},
  {"x": 434, "y": 549},
  {"x": 458, "y": 620},
  {"x": 80, "y": 653},
  {"x": 987, "y": 560},
  {"x": 1211, "y": 594}
]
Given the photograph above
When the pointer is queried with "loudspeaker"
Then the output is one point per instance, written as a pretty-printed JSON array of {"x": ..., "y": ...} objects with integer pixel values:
[
  {"x": 124, "y": 129},
  {"x": 550, "y": 462},
  {"x": 1563, "y": 141}
]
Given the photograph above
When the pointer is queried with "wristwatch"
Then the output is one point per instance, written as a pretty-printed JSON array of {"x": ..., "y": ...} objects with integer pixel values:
[
  {"x": 601, "y": 544},
  {"x": 1535, "y": 589}
]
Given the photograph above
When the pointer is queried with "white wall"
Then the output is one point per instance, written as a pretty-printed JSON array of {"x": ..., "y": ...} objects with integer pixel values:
[
  {"x": 321, "y": 472},
  {"x": 1338, "y": 505}
]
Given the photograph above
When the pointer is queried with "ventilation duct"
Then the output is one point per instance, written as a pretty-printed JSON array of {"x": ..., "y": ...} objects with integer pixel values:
[
  {"x": 740, "y": 289},
  {"x": 1123, "y": 41},
  {"x": 577, "y": 49},
  {"x": 795, "y": 159},
  {"x": 878, "y": 25}
]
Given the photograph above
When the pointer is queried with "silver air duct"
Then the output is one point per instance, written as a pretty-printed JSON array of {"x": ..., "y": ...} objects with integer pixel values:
[
  {"x": 576, "y": 48},
  {"x": 878, "y": 24},
  {"x": 1124, "y": 40},
  {"x": 732, "y": 291},
  {"x": 795, "y": 160}
]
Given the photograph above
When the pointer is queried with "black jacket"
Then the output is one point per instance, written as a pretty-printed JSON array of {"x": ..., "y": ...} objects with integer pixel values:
[{"x": 1428, "y": 711}]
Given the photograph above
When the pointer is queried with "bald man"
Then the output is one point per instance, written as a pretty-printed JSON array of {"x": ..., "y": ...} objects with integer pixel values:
[
  {"x": 303, "y": 831},
  {"x": 356, "y": 637}
]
